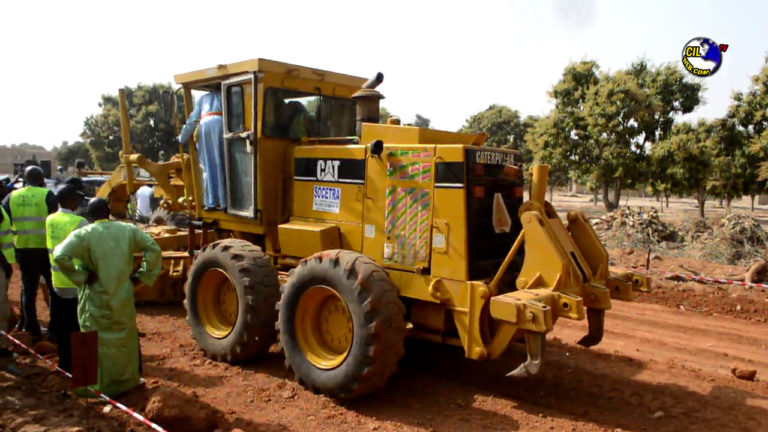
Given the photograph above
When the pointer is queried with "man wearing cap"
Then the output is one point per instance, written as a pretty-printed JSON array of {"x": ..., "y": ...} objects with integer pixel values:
[
  {"x": 105, "y": 276},
  {"x": 57, "y": 227},
  {"x": 27, "y": 208},
  {"x": 210, "y": 147}
]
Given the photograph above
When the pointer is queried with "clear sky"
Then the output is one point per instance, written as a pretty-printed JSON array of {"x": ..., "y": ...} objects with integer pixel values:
[{"x": 443, "y": 59}]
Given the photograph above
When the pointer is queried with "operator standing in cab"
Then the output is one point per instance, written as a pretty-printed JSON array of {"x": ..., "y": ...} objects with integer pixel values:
[
  {"x": 105, "y": 300},
  {"x": 57, "y": 227},
  {"x": 210, "y": 147},
  {"x": 27, "y": 208}
]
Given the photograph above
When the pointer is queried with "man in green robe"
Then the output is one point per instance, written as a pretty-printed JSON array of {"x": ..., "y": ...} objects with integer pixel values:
[{"x": 105, "y": 295}]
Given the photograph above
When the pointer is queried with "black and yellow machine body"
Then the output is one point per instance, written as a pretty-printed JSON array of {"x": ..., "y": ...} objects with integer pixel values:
[{"x": 346, "y": 236}]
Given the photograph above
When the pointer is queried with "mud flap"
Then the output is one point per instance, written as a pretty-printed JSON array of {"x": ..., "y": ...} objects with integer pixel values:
[
  {"x": 596, "y": 322},
  {"x": 534, "y": 348}
]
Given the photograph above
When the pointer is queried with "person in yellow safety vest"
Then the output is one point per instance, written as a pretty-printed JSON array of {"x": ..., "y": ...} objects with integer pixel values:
[
  {"x": 105, "y": 300},
  {"x": 57, "y": 227},
  {"x": 28, "y": 207},
  {"x": 7, "y": 257}
]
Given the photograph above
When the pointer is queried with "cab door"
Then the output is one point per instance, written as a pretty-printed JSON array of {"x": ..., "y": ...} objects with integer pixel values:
[{"x": 239, "y": 101}]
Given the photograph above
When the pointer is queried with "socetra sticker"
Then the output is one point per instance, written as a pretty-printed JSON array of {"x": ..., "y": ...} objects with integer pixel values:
[{"x": 326, "y": 199}]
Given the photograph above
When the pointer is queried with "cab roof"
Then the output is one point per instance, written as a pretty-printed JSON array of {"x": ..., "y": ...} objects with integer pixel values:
[{"x": 223, "y": 71}]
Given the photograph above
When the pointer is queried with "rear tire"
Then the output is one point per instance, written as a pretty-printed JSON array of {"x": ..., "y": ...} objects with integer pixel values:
[
  {"x": 341, "y": 324},
  {"x": 230, "y": 300}
]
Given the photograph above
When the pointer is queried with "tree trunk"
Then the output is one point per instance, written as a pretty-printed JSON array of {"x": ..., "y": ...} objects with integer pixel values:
[
  {"x": 608, "y": 203},
  {"x": 752, "y": 203},
  {"x": 701, "y": 197},
  {"x": 551, "y": 194},
  {"x": 666, "y": 197},
  {"x": 720, "y": 201},
  {"x": 617, "y": 193},
  {"x": 594, "y": 201},
  {"x": 727, "y": 205}
]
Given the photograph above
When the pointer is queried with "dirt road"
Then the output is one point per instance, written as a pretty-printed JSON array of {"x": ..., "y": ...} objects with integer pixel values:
[{"x": 659, "y": 368}]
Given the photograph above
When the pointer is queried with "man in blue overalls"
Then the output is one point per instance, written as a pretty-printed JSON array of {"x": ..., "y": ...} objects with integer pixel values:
[{"x": 210, "y": 147}]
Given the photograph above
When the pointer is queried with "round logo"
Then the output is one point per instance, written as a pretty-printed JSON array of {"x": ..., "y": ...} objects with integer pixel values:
[{"x": 702, "y": 57}]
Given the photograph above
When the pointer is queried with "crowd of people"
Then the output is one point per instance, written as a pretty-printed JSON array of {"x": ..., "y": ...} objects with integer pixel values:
[{"x": 87, "y": 264}]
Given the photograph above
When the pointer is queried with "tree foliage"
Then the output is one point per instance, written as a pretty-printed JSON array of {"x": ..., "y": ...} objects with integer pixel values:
[
  {"x": 750, "y": 112},
  {"x": 730, "y": 160},
  {"x": 603, "y": 123},
  {"x": 67, "y": 154},
  {"x": 502, "y": 124},
  {"x": 683, "y": 162},
  {"x": 151, "y": 128}
]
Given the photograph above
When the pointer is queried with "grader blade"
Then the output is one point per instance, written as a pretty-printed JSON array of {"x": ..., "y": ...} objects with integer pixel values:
[
  {"x": 596, "y": 323},
  {"x": 534, "y": 349}
]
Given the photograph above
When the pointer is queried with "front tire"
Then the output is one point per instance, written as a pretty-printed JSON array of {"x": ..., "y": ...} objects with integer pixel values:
[
  {"x": 341, "y": 324},
  {"x": 230, "y": 300}
]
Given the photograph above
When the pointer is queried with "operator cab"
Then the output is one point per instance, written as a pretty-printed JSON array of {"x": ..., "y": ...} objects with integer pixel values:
[{"x": 268, "y": 108}]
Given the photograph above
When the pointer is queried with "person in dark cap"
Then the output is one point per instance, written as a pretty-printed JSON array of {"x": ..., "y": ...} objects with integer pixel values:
[
  {"x": 77, "y": 182},
  {"x": 57, "y": 227},
  {"x": 105, "y": 278},
  {"x": 27, "y": 208}
]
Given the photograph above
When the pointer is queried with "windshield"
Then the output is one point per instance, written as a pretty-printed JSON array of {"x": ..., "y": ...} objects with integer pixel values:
[{"x": 294, "y": 115}]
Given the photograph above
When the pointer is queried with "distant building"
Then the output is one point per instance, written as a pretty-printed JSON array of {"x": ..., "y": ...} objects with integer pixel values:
[{"x": 19, "y": 154}]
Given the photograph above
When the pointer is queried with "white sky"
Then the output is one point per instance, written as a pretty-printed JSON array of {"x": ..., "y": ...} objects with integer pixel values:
[{"x": 443, "y": 59}]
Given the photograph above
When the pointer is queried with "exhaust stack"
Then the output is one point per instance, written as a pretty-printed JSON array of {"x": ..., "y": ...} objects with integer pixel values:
[{"x": 367, "y": 99}]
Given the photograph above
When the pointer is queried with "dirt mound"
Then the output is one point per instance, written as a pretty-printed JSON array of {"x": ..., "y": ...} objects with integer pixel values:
[{"x": 175, "y": 410}]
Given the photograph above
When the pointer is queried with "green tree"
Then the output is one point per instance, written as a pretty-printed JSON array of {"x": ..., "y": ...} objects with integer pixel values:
[
  {"x": 502, "y": 124},
  {"x": 683, "y": 162},
  {"x": 750, "y": 112},
  {"x": 562, "y": 139},
  {"x": 728, "y": 144},
  {"x": 671, "y": 93},
  {"x": 614, "y": 110},
  {"x": 151, "y": 128},
  {"x": 421, "y": 121},
  {"x": 610, "y": 120},
  {"x": 541, "y": 134},
  {"x": 67, "y": 154}
]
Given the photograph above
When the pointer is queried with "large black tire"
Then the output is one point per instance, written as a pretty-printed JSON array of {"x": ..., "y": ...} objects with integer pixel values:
[
  {"x": 377, "y": 323},
  {"x": 254, "y": 279}
]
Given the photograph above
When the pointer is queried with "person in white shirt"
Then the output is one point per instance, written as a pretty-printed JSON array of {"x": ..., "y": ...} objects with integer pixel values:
[{"x": 144, "y": 201}]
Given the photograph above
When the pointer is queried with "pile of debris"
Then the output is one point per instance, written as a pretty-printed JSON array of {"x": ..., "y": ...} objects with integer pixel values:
[
  {"x": 742, "y": 229},
  {"x": 735, "y": 239},
  {"x": 694, "y": 230},
  {"x": 636, "y": 227}
]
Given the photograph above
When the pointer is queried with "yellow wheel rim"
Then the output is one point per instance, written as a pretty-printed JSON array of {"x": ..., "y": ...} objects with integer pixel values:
[
  {"x": 323, "y": 327},
  {"x": 217, "y": 303}
]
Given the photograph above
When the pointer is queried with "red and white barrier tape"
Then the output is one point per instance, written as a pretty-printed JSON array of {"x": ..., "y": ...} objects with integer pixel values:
[
  {"x": 709, "y": 279},
  {"x": 106, "y": 398}
]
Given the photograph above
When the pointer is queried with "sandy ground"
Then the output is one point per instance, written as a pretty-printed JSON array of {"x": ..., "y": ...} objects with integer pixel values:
[{"x": 664, "y": 365}]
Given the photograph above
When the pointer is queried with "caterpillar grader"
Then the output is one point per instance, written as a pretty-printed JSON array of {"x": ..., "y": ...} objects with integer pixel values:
[{"x": 345, "y": 236}]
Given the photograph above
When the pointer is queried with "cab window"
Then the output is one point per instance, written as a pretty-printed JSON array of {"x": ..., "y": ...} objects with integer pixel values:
[
  {"x": 294, "y": 115},
  {"x": 235, "y": 109}
]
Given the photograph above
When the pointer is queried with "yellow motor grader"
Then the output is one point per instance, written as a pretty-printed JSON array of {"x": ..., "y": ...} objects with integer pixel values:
[{"x": 345, "y": 236}]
